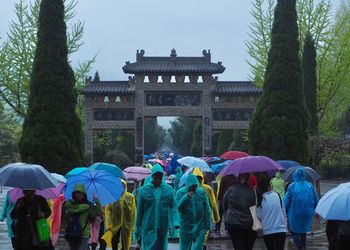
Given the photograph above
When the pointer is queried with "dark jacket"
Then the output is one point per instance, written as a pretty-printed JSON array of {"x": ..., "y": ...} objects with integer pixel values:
[
  {"x": 24, "y": 214},
  {"x": 225, "y": 183},
  {"x": 237, "y": 201}
]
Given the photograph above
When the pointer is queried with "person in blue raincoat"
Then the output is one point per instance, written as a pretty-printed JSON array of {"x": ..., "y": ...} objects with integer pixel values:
[
  {"x": 5, "y": 214},
  {"x": 195, "y": 214},
  {"x": 300, "y": 202},
  {"x": 156, "y": 212}
]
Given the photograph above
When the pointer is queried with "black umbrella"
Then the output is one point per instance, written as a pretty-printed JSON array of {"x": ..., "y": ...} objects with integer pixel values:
[{"x": 311, "y": 175}]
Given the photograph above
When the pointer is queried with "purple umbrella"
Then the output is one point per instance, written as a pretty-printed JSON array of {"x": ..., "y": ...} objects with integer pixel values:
[
  {"x": 49, "y": 193},
  {"x": 136, "y": 173},
  {"x": 250, "y": 164}
]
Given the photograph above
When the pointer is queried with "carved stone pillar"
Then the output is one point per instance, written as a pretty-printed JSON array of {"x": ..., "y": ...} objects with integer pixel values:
[
  {"x": 207, "y": 123},
  {"x": 139, "y": 125},
  {"x": 88, "y": 128}
]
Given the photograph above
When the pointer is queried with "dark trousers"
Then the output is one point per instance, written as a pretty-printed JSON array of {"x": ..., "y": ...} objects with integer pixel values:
[
  {"x": 275, "y": 241},
  {"x": 218, "y": 225},
  {"x": 299, "y": 240},
  {"x": 242, "y": 239},
  {"x": 115, "y": 241}
]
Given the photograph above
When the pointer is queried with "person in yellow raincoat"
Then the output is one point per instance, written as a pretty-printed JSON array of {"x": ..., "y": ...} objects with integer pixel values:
[
  {"x": 156, "y": 211},
  {"x": 120, "y": 220}
]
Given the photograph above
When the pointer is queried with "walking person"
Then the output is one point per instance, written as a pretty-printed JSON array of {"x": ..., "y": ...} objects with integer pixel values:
[
  {"x": 156, "y": 211},
  {"x": 278, "y": 184},
  {"x": 300, "y": 202},
  {"x": 80, "y": 213},
  {"x": 26, "y": 212},
  {"x": 338, "y": 234},
  {"x": 6, "y": 215},
  {"x": 194, "y": 210},
  {"x": 120, "y": 219},
  {"x": 271, "y": 212},
  {"x": 238, "y": 219}
]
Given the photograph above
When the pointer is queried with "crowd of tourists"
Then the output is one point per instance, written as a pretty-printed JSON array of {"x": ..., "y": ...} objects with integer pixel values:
[{"x": 156, "y": 211}]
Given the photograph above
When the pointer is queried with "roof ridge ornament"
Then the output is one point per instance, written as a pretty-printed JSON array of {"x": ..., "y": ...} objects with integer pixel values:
[
  {"x": 139, "y": 55},
  {"x": 207, "y": 55},
  {"x": 173, "y": 55}
]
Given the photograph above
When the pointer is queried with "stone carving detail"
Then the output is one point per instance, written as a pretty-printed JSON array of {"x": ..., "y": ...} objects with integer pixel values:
[
  {"x": 173, "y": 98},
  {"x": 206, "y": 78},
  {"x": 139, "y": 156},
  {"x": 180, "y": 79},
  {"x": 139, "y": 132},
  {"x": 166, "y": 79},
  {"x": 153, "y": 79},
  {"x": 113, "y": 114},
  {"x": 233, "y": 115},
  {"x": 140, "y": 78},
  {"x": 193, "y": 78}
]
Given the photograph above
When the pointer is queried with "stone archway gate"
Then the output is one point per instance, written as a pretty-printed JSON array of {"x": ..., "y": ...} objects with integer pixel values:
[{"x": 168, "y": 86}]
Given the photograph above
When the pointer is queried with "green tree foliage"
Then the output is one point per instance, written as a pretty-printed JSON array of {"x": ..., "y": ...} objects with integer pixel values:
[
  {"x": 224, "y": 142},
  {"x": 17, "y": 51},
  {"x": 154, "y": 136},
  {"x": 52, "y": 134},
  {"x": 196, "y": 147},
  {"x": 240, "y": 141},
  {"x": 181, "y": 131},
  {"x": 310, "y": 82},
  {"x": 111, "y": 141},
  {"x": 279, "y": 125},
  {"x": 96, "y": 77}
]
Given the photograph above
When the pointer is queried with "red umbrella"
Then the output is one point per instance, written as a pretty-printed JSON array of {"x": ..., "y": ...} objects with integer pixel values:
[{"x": 233, "y": 155}]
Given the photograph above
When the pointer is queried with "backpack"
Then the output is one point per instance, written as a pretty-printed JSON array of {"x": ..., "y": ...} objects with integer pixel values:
[{"x": 74, "y": 231}]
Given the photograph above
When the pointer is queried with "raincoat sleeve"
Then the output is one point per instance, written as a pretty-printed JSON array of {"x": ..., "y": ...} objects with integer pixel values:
[
  {"x": 183, "y": 201},
  {"x": 5, "y": 208},
  {"x": 208, "y": 212},
  {"x": 213, "y": 205},
  {"x": 139, "y": 214},
  {"x": 108, "y": 216},
  {"x": 76, "y": 208},
  {"x": 174, "y": 213},
  {"x": 96, "y": 209},
  {"x": 44, "y": 207}
]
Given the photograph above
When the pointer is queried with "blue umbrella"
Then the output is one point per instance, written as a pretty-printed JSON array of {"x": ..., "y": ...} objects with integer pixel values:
[
  {"x": 219, "y": 166},
  {"x": 286, "y": 164},
  {"x": 311, "y": 175},
  {"x": 192, "y": 162},
  {"x": 107, "y": 187},
  {"x": 335, "y": 204},
  {"x": 26, "y": 176},
  {"x": 111, "y": 168},
  {"x": 75, "y": 171}
]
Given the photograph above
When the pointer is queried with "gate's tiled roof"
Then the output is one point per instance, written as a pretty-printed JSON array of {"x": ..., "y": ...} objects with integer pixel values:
[
  {"x": 108, "y": 87},
  {"x": 173, "y": 65},
  {"x": 236, "y": 87}
]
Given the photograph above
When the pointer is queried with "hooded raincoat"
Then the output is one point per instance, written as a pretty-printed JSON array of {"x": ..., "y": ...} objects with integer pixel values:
[
  {"x": 156, "y": 213},
  {"x": 211, "y": 196},
  {"x": 195, "y": 215},
  {"x": 5, "y": 214},
  {"x": 86, "y": 210},
  {"x": 300, "y": 202},
  {"x": 121, "y": 216},
  {"x": 278, "y": 184}
]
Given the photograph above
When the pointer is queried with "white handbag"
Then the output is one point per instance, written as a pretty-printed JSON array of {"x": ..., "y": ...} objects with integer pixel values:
[{"x": 256, "y": 222}]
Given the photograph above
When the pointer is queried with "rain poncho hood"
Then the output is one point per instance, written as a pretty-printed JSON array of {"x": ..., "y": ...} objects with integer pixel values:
[
  {"x": 211, "y": 196},
  {"x": 121, "y": 215},
  {"x": 278, "y": 184},
  {"x": 156, "y": 213},
  {"x": 194, "y": 215},
  {"x": 300, "y": 202}
]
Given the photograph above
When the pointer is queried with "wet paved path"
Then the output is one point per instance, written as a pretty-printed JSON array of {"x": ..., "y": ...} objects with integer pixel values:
[{"x": 318, "y": 241}]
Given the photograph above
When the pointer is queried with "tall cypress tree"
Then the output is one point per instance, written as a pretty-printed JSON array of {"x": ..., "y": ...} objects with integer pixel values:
[
  {"x": 310, "y": 82},
  {"x": 279, "y": 125},
  {"x": 52, "y": 133}
]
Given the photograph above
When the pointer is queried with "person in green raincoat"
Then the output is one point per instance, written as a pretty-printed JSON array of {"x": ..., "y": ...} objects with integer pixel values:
[
  {"x": 195, "y": 214},
  {"x": 87, "y": 212},
  {"x": 278, "y": 184},
  {"x": 5, "y": 214},
  {"x": 156, "y": 212}
]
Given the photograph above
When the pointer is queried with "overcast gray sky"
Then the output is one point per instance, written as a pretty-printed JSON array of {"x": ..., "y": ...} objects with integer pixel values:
[{"x": 116, "y": 28}]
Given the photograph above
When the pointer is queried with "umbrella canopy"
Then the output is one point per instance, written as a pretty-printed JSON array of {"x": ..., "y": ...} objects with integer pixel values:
[
  {"x": 111, "y": 168},
  {"x": 209, "y": 159},
  {"x": 26, "y": 176},
  {"x": 219, "y": 166},
  {"x": 192, "y": 162},
  {"x": 233, "y": 155},
  {"x": 49, "y": 193},
  {"x": 250, "y": 164},
  {"x": 158, "y": 161},
  {"x": 59, "y": 177},
  {"x": 286, "y": 164},
  {"x": 335, "y": 204},
  {"x": 136, "y": 173},
  {"x": 107, "y": 187},
  {"x": 75, "y": 171},
  {"x": 311, "y": 175}
]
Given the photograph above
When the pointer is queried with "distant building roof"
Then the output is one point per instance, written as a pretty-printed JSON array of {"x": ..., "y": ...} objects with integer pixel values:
[
  {"x": 108, "y": 87},
  {"x": 236, "y": 87},
  {"x": 173, "y": 65}
]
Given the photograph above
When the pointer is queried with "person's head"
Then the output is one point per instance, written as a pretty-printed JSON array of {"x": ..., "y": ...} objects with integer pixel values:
[
  {"x": 79, "y": 193},
  {"x": 199, "y": 175},
  {"x": 192, "y": 183},
  {"x": 299, "y": 175},
  {"x": 244, "y": 178},
  {"x": 264, "y": 185},
  {"x": 157, "y": 179},
  {"x": 29, "y": 194}
]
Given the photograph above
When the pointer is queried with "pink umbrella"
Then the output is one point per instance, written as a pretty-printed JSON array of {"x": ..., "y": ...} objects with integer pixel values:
[
  {"x": 160, "y": 162},
  {"x": 136, "y": 173},
  {"x": 49, "y": 193}
]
